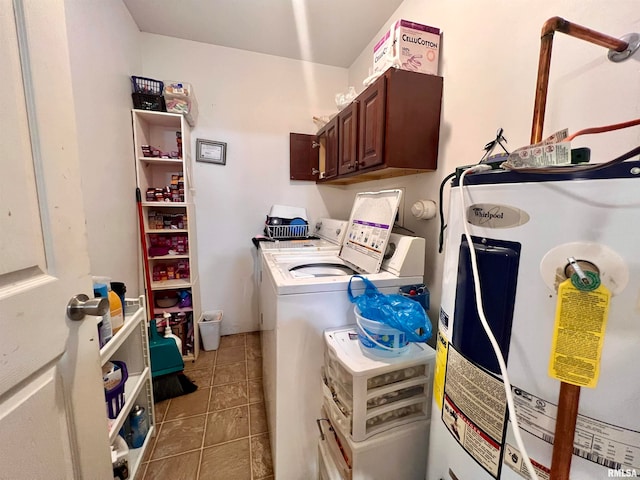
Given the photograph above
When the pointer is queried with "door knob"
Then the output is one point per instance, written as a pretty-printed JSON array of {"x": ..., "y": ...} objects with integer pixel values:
[{"x": 81, "y": 305}]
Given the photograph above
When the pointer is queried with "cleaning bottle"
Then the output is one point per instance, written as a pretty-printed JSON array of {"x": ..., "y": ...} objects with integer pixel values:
[
  {"x": 139, "y": 425},
  {"x": 116, "y": 310},
  {"x": 115, "y": 304},
  {"x": 105, "y": 331},
  {"x": 168, "y": 333}
]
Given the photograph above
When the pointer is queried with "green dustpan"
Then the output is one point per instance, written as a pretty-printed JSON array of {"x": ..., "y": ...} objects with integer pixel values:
[{"x": 165, "y": 356}]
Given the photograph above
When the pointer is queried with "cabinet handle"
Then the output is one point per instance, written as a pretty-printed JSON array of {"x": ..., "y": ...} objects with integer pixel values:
[
  {"x": 315, "y": 144},
  {"x": 315, "y": 171}
]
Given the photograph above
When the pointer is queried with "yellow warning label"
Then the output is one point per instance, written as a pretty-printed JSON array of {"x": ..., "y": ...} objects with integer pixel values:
[
  {"x": 442, "y": 346},
  {"x": 581, "y": 319}
]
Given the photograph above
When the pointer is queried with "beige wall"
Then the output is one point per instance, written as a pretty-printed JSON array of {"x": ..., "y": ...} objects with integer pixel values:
[
  {"x": 250, "y": 101},
  {"x": 488, "y": 58},
  {"x": 489, "y": 53},
  {"x": 104, "y": 52}
]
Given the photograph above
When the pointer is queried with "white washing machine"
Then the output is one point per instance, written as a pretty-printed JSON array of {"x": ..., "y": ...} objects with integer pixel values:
[
  {"x": 304, "y": 293},
  {"x": 328, "y": 234}
]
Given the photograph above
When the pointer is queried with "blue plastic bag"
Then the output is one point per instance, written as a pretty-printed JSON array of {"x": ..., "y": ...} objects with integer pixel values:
[{"x": 394, "y": 310}]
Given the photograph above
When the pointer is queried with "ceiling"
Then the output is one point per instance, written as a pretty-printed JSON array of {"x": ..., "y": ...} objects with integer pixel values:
[{"x": 330, "y": 32}]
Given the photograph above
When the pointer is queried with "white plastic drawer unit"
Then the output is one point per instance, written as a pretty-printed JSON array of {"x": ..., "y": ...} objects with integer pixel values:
[
  {"x": 380, "y": 390},
  {"x": 397, "y": 453},
  {"x": 365, "y": 396}
]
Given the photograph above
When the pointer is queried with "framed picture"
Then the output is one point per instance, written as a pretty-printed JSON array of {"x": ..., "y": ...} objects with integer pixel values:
[{"x": 211, "y": 152}]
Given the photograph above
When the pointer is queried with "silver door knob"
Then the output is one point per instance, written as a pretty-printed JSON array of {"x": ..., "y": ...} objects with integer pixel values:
[{"x": 81, "y": 305}]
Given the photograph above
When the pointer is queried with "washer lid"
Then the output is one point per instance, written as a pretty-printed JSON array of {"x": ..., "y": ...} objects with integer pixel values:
[{"x": 369, "y": 229}]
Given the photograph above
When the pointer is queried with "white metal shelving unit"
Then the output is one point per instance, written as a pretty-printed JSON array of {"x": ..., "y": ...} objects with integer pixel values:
[{"x": 131, "y": 346}]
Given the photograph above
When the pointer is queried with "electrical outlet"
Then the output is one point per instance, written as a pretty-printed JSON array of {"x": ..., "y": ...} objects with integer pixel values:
[{"x": 400, "y": 214}]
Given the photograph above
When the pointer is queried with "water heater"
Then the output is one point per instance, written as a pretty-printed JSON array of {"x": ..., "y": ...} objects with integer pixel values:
[{"x": 524, "y": 228}]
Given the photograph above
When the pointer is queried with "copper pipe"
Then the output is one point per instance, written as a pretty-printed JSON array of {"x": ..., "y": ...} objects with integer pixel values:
[
  {"x": 557, "y": 24},
  {"x": 565, "y": 431},
  {"x": 569, "y": 397}
]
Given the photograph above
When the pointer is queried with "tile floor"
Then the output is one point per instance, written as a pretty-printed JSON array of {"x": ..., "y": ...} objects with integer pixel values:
[{"x": 219, "y": 432}]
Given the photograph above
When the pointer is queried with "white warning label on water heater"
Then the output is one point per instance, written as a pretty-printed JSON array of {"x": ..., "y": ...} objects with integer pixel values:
[
  {"x": 475, "y": 410},
  {"x": 609, "y": 445},
  {"x": 513, "y": 459}
]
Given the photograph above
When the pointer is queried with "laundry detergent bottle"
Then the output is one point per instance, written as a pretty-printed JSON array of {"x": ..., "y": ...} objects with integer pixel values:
[{"x": 116, "y": 310}]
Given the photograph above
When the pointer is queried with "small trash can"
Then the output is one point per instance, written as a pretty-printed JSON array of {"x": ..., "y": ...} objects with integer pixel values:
[{"x": 209, "y": 328}]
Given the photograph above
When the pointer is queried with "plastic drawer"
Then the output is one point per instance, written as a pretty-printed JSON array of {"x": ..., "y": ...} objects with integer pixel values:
[
  {"x": 398, "y": 453},
  {"x": 334, "y": 449},
  {"x": 327, "y": 468},
  {"x": 395, "y": 376}
]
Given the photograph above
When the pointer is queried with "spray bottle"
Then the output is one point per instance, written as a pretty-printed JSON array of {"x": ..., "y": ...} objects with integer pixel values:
[{"x": 169, "y": 334}]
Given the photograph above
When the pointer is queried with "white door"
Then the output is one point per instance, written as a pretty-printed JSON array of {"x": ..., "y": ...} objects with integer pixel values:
[{"x": 52, "y": 411}]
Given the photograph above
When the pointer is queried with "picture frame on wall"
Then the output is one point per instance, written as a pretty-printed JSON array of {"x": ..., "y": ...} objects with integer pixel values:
[{"x": 210, "y": 151}]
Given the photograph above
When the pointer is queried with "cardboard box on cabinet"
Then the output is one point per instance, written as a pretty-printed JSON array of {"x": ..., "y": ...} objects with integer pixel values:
[{"x": 410, "y": 46}]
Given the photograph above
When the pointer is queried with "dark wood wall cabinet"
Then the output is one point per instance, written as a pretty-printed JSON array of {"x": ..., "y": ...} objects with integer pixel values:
[{"x": 391, "y": 129}]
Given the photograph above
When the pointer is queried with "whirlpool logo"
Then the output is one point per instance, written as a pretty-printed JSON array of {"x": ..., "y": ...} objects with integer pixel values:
[{"x": 490, "y": 215}]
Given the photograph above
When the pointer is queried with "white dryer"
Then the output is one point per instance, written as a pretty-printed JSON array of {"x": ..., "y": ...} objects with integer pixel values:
[{"x": 304, "y": 293}]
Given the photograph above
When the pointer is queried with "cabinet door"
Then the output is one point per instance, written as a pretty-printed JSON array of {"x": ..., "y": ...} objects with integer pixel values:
[
  {"x": 412, "y": 120},
  {"x": 348, "y": 139},
  {"x": 372, "y": 124},
  {"x": 303, "y": 157},
  {"x": 331, "y": 159}
]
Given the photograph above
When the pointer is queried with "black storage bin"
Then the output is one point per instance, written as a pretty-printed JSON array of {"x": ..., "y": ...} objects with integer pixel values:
[{"x": 144, "y": 101}]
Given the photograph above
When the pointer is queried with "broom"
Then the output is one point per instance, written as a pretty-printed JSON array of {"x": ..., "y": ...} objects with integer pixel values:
[{"x": 167, "y": 365}]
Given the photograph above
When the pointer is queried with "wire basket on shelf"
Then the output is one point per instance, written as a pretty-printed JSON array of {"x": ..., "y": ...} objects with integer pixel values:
[
  {"x": 147, "y": 85},
  {"x": 278, "y": 232},
  {"x": 147, "y": 94}
]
